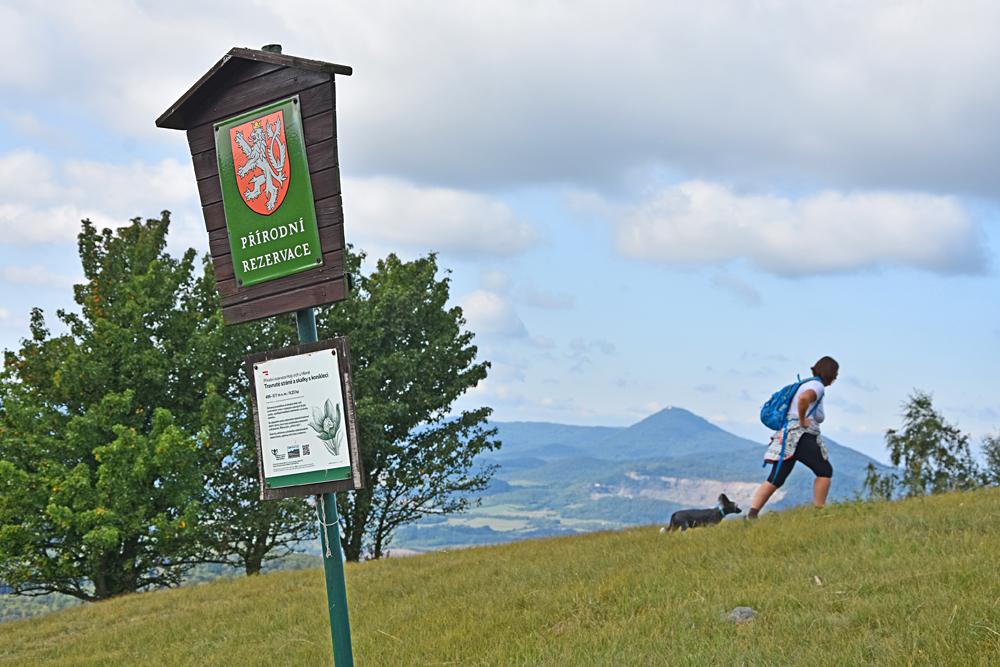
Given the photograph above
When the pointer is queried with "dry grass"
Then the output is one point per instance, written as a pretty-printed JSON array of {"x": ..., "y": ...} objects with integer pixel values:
[{"x": 914, "y": 582}]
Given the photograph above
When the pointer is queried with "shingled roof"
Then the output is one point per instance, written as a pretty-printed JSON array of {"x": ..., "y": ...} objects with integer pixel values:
[{"x": 227, "y": 69}]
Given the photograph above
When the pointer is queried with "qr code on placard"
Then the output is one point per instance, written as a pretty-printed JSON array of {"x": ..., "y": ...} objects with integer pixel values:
[{"x": 305, "y": 450}]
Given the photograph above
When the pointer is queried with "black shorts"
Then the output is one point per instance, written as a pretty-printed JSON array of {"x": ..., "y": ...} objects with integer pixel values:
[{"x": 809, "y": 453}]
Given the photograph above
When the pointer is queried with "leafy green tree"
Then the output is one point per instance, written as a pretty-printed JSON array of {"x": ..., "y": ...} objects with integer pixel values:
[
  {"x": 103, "y": 456},
  {"x": 991, "y": 451},
  {"x": 411, "y": 359},
  {"x": 237, "y": 527},
  {"x": 879, "y": 486},
  {"x": 126, "y": 446},
  {"x": 932, "y": 454}
]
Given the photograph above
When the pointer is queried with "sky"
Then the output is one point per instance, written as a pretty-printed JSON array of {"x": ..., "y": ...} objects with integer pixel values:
[{"x": 641, "y": 204}]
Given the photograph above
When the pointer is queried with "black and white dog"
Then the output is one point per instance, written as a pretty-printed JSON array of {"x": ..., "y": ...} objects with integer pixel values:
[{"x": 684, "y": 519}]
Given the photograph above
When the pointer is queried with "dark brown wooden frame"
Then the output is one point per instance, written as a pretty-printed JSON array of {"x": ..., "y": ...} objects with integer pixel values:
[
  {"x": 357, "y": 478},
  {"x": 242, "y": 80}
]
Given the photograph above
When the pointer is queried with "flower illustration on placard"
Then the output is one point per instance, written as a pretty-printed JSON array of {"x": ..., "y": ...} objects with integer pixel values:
[{"x": 326, "y": 422}]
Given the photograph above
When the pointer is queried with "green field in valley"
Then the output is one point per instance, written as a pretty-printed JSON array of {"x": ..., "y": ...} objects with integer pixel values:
[{"x": 911, "y": 582}]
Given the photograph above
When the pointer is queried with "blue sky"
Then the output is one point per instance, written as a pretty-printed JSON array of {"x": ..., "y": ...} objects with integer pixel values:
[{"x": 642, "y": 205}]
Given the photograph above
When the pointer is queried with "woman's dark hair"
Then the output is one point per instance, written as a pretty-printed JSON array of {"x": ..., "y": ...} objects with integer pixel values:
[{"x": 826, "y": 369}]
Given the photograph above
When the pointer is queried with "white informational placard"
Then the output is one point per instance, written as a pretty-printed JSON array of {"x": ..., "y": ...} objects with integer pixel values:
[{"x": 302, "y": 419}]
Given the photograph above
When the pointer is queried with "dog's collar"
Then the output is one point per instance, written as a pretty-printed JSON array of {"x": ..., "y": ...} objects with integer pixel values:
[{"x": 721, "y": 511}]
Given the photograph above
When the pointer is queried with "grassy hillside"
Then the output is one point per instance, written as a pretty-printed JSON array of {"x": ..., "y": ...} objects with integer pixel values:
[
  {"x": 20, "y": 606},
  {"x": 913, "y": 582}
]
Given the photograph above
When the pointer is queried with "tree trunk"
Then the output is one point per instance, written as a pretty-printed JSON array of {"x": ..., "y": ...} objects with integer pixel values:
[
  {"x": 100, "y": 583},
  {"x": 252, "y": 565},
  {"x": 352, "y": 549},
  {"x": 257, "y": 549},
  {"x": 353, "y": 539}
]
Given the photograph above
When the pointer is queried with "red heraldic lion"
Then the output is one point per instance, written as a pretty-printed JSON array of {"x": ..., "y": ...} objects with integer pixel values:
[{"x": 260, "y": 158}]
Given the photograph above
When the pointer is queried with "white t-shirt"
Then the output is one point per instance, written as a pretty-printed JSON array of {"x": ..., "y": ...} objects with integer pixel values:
[{"x": 817, "y": 415}]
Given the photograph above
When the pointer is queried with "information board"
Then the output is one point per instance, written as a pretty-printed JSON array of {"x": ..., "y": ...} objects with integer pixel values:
[{"x": 304, "y": 419}]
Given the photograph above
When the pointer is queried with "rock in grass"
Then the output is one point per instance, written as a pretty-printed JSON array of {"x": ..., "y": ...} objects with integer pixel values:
[{"x": 741, "y": 615}]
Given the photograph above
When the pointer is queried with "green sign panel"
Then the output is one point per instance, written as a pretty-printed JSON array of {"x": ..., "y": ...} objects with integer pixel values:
[{"x": 267, "y": 193}]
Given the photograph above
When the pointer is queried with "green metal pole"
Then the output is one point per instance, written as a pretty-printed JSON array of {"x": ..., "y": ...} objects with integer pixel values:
[{"x": 329, "y": 528}]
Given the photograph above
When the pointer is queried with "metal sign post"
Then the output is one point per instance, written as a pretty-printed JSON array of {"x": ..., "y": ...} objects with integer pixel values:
[{"x": 329, "y": 529}]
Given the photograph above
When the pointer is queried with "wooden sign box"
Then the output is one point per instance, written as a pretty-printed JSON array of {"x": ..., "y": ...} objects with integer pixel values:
[{"x": 245, "y": 79}]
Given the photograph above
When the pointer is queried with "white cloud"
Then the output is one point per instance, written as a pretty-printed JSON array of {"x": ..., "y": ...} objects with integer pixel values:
[
  {"x": 495, "y": 280},
  {"x": 540, "y": 298},
  {"x": 391, "y": 212},
  {"x": 491, "y": 313},
  {"x": 984, "y": 414},
  {"x": 31, "y": 129},
  {"x": 739, "y": 288},
  {"x": 871, "y": 95},
  {"x": 99, "y": 56},
  {"x": 44, "y": 200},
  {"x": 26, "y": 225},
  {"x": 581, "y": 351},
  {"x": 555, "y": 404},
  {"x": 542, "y": 343},
  {"x": 23, "y": 35},
  {"x": 25, "y": 124},
  {"x": 35, "y": 276},
  {"x": 25, "y": 174},
  {"x": 589, "y": 206},
  {"x": 859, "y": 383},
  {"x": 748, "y": 355},
  {"x": 132, "y": 185},
  {"x": 847, "y": 407},
  {"x": 705, "y": 223},
  {"x": 584, "y": 346}
]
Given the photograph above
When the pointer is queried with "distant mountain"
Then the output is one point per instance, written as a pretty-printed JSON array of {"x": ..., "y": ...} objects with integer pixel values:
[
  {"x": 556, "y": 478},
  {"x": 672, "y": 432}
]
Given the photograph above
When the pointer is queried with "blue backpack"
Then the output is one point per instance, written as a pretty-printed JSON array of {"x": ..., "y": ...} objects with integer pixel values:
[{"x": 774, "y": 413}]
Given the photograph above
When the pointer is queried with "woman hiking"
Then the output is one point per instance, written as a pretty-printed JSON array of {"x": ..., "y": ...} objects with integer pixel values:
[{"x": 803, "y": 441}]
